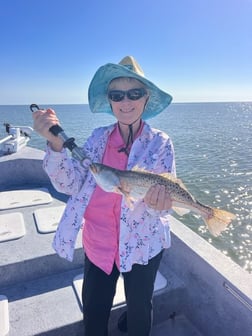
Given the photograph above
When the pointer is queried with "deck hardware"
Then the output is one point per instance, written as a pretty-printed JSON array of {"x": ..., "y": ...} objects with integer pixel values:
[{"x": 237, "y": 296}]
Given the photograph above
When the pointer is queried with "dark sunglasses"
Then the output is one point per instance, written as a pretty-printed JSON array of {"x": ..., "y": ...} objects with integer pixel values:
[{"x": 133, "y": 94}]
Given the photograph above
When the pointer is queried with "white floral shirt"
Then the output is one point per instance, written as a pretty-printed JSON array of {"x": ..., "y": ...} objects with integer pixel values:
[{"x": 144, "y": 232}]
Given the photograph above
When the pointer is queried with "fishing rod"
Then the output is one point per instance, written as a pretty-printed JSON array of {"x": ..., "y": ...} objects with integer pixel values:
[{"x": 67, "y": 141}]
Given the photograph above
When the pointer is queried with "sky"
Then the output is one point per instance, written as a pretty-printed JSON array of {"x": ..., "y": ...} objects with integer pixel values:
[{"x": 197, "y": 50}]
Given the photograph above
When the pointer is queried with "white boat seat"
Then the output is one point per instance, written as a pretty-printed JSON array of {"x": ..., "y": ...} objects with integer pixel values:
[
  {"x": 4, "y": 316},
  {"x": 47, "y": 219},
  {"x": 11, "y": 226},
  {"x": 23, "y": 198}
]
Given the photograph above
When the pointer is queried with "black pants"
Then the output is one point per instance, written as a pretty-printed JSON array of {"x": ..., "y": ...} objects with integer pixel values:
[{"x": 99, "y": 289}]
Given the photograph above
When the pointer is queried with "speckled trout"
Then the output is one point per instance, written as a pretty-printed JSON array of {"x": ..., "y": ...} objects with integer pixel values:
[{"x": 134, "y": 184}]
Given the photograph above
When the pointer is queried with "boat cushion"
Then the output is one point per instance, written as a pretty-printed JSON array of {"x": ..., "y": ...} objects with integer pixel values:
[
  {"x": 47, "y": 219},
  {"x": 11, "y": 226},
  {"x": 23, "y": 198},
  {"x": 4, "y": 315}
]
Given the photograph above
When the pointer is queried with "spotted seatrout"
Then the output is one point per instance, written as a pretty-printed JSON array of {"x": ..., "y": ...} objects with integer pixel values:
[{"x": 134, "y": 184}]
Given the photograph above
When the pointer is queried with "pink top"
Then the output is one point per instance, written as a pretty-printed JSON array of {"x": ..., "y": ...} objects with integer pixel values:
[{"x": 102, "y": 216}]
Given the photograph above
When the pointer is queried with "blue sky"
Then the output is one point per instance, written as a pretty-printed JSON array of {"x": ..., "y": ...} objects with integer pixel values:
[{"x": 197, "y": 50}]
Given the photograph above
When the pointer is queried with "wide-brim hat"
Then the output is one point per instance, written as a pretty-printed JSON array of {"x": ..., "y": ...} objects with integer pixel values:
[{"x": 128, "y": 67}]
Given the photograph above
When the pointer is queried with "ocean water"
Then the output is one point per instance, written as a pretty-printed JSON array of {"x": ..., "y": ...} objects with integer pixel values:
[{"x": 213, "y": 146}]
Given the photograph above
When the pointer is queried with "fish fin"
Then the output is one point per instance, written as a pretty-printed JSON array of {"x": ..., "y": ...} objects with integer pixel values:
[
  {"x": 118, "y": 190},
  {"x": 128, "y": 199},
  {"x": 129, "y": 203},
  {"x": 181, "y": 211},
  {"x": 218, "y": 221},
  {"x": 167, "y": 175},
  {"x": 141, "y": 170},
  {"x": 170, "y": 176},
  {"x": 174, "y": 179}
]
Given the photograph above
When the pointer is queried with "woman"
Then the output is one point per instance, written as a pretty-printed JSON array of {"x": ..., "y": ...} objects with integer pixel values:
[{"x": 116, "y": 239}]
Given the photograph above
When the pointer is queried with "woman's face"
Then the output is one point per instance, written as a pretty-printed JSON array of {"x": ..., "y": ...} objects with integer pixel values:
[{"x": 127, "y": 111}]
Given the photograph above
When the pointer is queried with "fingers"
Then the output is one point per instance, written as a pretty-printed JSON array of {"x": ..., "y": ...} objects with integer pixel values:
[
  {"x": 43, "y": 120},
  {"x": 167, "y": 202},
  {"x": 152, "y": 196},
  {"x": 157, "y": 198},
  {"x": 161, "y": 198}
]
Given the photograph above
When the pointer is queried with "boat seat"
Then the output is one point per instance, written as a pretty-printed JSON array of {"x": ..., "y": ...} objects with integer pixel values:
[
  {"x": 119, "y": 299},
  {"x": 23, "y": 198},
  {"x": 4, "y": 316},
  {"x": 47, "y": 219},
  {"x": 11, "y": 226}
]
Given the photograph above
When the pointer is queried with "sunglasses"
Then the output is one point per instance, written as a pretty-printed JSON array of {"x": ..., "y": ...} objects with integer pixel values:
[{"x": 133, "y": 94}]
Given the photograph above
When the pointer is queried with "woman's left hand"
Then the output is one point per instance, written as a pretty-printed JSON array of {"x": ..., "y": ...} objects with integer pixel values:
[{"x": 157, "y": 198}]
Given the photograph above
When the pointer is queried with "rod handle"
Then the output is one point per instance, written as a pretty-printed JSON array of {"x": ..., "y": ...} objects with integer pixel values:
[{"x": 55, "y": 129}]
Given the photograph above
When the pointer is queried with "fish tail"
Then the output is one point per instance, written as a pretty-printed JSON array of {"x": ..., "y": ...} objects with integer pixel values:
[{"x": 218, "y": 221}]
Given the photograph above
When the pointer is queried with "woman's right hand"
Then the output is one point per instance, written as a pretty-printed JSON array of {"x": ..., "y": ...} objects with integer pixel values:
[{"x": 43, "y": 120}]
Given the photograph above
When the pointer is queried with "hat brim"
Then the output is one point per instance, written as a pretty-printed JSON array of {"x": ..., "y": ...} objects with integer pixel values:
[{"x": 97, "y": 92}]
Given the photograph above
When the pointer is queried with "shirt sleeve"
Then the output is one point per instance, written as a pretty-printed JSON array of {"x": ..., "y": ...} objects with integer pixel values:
[{"x": 66, "y": 173}]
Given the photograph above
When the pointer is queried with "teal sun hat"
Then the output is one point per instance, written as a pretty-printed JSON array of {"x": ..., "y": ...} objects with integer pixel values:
[{"x": 128, "y": 67}]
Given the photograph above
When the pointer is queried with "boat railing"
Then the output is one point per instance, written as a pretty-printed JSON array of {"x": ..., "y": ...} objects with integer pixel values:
[{"x": 17, "y": 138}]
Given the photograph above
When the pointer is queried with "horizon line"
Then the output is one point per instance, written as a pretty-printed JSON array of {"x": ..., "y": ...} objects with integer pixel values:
[{"x": 173, "y": 102}]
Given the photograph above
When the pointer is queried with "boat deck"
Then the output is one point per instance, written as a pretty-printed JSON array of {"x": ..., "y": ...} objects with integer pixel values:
[
  {"x": 199, "y": 291},
  {"x": 43, "y": 290}
]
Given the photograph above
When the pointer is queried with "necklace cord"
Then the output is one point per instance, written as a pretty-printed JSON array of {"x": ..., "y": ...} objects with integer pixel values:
[{"x": 129, "y": 141}]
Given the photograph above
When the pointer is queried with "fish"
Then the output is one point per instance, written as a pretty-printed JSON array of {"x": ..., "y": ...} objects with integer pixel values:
[{"x": 134, "y": 184}]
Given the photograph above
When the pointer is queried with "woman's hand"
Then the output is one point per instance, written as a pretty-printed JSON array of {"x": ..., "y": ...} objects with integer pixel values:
[
  {"x": 42, "y": 121},
  {"x": 157, "y": 198}
]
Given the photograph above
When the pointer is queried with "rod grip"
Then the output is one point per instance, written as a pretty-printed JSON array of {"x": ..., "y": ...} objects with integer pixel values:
[{"x": 55, "y": 130}]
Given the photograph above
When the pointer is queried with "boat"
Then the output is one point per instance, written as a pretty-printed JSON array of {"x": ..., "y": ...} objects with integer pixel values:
[{"x": 198, "y": 290}]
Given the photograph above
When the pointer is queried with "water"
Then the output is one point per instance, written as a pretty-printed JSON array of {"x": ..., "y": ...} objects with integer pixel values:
[{"x": 213, "y": 155}]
